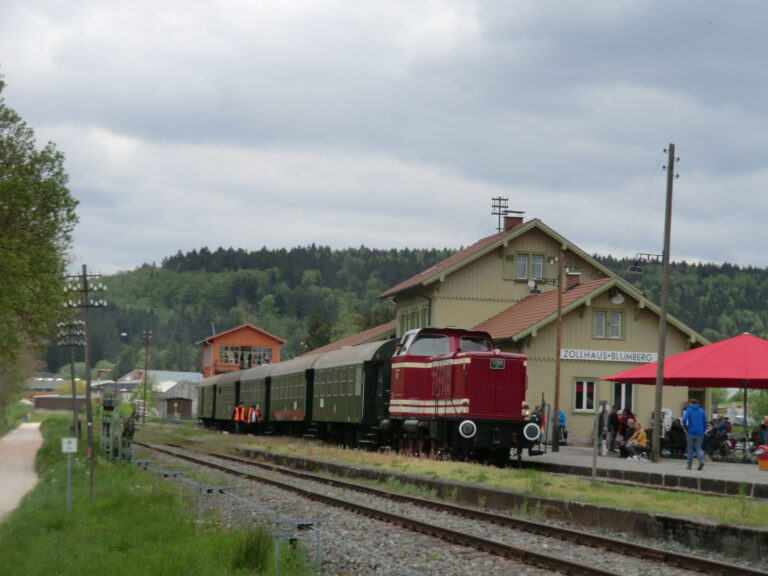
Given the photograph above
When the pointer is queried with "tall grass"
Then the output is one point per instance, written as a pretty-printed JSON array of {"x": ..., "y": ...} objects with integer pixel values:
[{"x": 129, "y": 529}]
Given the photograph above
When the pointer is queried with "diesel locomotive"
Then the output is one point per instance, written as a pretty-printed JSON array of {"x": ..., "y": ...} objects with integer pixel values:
[{"x": 441, "y": 391}]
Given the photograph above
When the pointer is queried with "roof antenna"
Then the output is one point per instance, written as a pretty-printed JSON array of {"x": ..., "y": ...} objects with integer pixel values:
[{"x": 500, "y": 208}]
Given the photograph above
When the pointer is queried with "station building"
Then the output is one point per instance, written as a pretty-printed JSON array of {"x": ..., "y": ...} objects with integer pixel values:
[{"x": 507, "y": 284}]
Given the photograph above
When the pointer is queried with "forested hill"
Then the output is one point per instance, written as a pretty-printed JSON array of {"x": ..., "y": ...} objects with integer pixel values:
[
  {"x": 308, "y": 296},
  {"x": 336, "y": 268},
  {"x": 312, "y": 295}
]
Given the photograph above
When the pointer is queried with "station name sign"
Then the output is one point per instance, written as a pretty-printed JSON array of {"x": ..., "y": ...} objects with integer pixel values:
[{"x": 608, "y": 355}]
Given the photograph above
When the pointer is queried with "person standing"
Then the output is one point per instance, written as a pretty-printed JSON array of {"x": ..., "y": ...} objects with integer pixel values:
[
  {"x": 238, "y": 417},
  {"x": 562, "y": 433},
  {"x": 694, "y": 424},
  {"x": 613, "y": 428}
]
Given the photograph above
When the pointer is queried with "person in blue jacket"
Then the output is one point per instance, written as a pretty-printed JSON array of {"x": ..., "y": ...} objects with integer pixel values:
[
  {"x": 695, "y": 424},
  {"x": 562, "y": 435}
]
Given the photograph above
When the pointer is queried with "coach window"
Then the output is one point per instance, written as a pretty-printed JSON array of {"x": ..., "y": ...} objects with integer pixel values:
[{"x": 584, "y": 395}]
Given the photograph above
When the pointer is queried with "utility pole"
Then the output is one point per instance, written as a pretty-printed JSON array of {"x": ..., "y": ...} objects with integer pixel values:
[
  {"x": 147, "y": 338},
  {"x": 560, "y": 285},
  {"x": 657, "y": 424}
]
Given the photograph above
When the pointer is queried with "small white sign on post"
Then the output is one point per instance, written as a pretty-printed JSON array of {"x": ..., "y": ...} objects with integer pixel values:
[{"x": 69, "y": 445}]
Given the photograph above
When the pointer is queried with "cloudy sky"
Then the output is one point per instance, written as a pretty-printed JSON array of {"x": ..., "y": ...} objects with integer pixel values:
[{"x": 250, "y": 123}]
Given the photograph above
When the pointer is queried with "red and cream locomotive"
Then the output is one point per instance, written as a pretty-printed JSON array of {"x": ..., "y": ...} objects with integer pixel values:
[{"x": 453, "y": 391}]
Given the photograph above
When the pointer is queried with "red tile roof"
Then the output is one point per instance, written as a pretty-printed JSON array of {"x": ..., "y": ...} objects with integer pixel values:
[
  {"x": 450, "y": 262},
  {"x": 370, "y": 335},
  {"x": 536, "y": 308},
  {"x": 242, "y": 327}
]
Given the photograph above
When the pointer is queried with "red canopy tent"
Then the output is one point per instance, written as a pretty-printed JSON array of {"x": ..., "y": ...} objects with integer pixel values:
[{"x": 738, "y": 362}]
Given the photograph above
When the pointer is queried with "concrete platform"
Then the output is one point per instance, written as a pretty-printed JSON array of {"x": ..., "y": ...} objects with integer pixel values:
[
  {"x": 18, "y": 450},
  {"x": 716, "y": 477}
]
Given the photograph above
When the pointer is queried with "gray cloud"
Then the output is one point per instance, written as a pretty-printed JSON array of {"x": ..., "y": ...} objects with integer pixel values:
[{"x": 393, "y": 124}]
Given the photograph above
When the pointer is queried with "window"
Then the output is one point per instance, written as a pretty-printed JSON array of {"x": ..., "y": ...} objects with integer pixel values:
[
  {"x": 585, "y": 395},
  {"x": 523, "y": 267},
  {"x": 245, "y": 356},
  {"x": 430, "y": 345},
  {"x": 607, "y": 325},
  {"x": 474, "y": 344},
  {"x": 537, "y": 266},
  {"x": 614, "y": 325}
]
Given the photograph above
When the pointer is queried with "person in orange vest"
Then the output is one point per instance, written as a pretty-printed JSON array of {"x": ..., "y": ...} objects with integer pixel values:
[
  {"x": 238, "y": 417},
  {"x": 254, "y": 418}
]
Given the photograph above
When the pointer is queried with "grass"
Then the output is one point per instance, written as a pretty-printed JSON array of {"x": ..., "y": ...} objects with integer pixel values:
[
  {"x": 130, "y": 528},
  {"x": 723, "y": 510},
  {"x": 13, "y": 415}
]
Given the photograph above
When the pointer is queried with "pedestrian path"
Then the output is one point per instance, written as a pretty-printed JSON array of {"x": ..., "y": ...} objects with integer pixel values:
[
  {"x": 716, "y": 476},
  {"x": 18, "y": 450}
]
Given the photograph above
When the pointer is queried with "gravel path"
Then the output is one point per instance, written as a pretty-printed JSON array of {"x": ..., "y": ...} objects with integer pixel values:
[{"x": 353, "y": 544}]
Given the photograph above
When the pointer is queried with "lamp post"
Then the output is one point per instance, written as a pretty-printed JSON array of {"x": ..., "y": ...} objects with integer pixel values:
[
  {"x": 69, "y": 331},
  {"x": 147, "y": 337},
  {"x": 79, "y": 286}
]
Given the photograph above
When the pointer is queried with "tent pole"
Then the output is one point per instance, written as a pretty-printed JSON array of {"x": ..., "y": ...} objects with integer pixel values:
[{"x": 746, "y": 423}]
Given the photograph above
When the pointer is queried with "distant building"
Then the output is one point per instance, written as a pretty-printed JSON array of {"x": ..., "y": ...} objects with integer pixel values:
[
  {"x": 177, "y": 402},
  {"x": 165, "y": 385},
  {"x": 239, "y": 348},
  {"x": 41, "y": 383}
]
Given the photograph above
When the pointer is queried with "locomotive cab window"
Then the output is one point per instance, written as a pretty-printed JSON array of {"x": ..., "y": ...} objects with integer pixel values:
[
  {"x": 474, "y": 344},
  {"x": 430, "y": 345}
]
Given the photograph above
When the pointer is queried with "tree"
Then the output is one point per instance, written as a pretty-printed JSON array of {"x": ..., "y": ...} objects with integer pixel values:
[
  {"x": 37, "y": 217},
  {"x": 318, "y": 331}
]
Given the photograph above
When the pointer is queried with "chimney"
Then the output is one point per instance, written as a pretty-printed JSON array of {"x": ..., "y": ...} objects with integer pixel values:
[
  {"x": 512, "y": 221},
  {"x": 572, "y": 279}
]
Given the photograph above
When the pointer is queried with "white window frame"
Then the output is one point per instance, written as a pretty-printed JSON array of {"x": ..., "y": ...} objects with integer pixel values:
[
  {"x": 521, "y": 267},
  {"x": 585, "y": 401},
  {"x": 615, "y": 325},
  {"x": 537, "y": 261},
  {"x": 608, "y": 325}
]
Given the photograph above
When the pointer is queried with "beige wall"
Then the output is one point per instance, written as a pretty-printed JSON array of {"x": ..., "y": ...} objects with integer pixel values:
[{"x": 641, "y": 335}]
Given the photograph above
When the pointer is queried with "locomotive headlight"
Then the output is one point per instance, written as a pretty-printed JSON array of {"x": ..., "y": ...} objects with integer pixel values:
[
  {"x": 467, "y": 429},
  {"x": 531, "y": 431}
]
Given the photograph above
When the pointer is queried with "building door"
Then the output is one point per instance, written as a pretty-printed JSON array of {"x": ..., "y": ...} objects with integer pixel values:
[{"x": 623, "y": 396}]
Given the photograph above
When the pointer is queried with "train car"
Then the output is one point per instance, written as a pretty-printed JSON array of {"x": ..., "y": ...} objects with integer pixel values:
[
  {"x": 254, "y": 392},
  {"x": 290, "y": 395},
  {"x": 351, "y": 393},
  {"x": 227, "y": 388},
  {"x": 206, "y": 400},
  {"x": 454, "y": 391}
]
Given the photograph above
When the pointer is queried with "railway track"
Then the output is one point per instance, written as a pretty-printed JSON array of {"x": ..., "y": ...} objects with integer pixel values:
[{"x": 488, "y": 533}]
